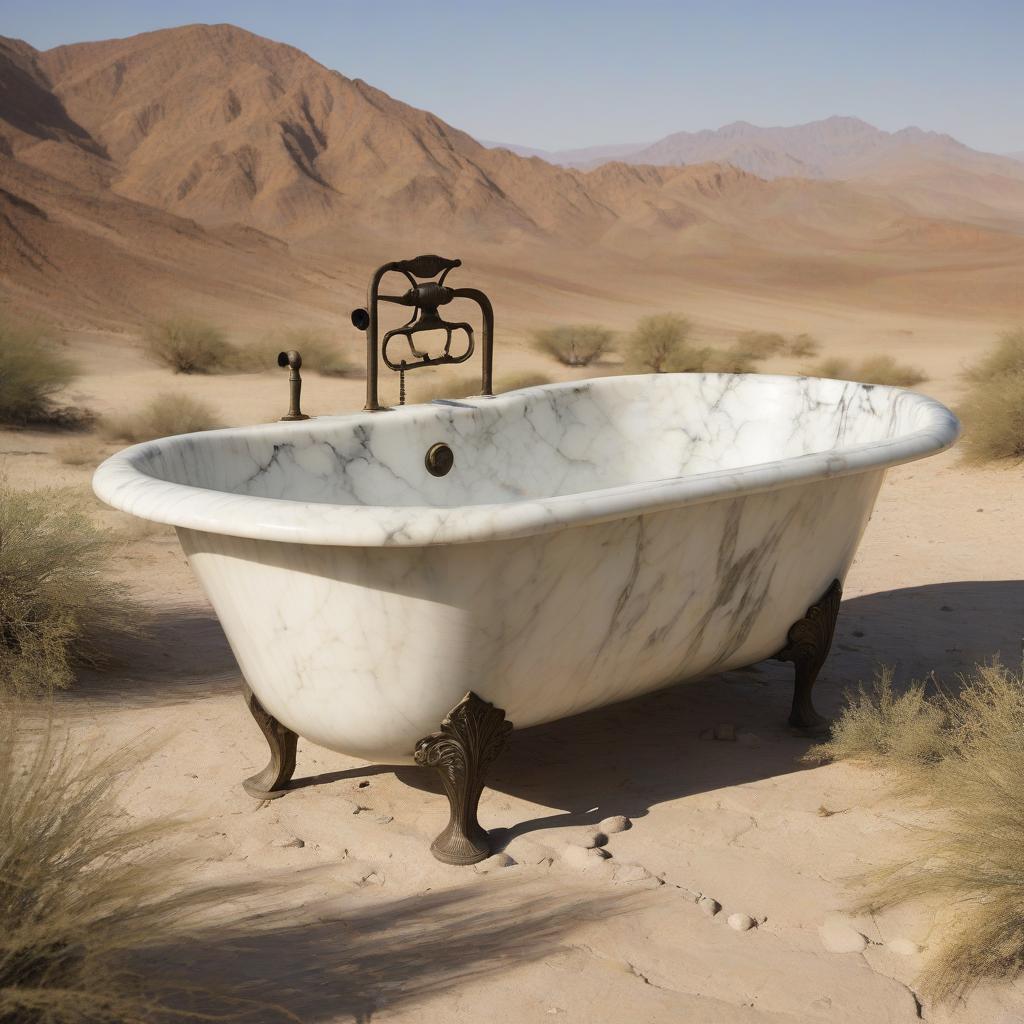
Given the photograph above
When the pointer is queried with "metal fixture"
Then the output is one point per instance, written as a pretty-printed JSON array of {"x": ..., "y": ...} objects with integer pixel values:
[
  {"x": 424, "y": 296},
  {"x": 273, "y": 781},
  {"x": 472, "y": 736},
  {"x": 293, "y": 361},
  {"x": 439, "y": 459},
  {"x": 807, "y": 646}
]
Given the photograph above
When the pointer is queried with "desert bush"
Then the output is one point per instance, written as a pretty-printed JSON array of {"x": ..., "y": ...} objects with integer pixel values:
[
  {"x": 993, "y": 416},
  {"x": 188, "y": 345},
  {"x": 574, "y": 344},
  {"x": 32, "y": 373},
  {"x": 802, "y": 346},
  {"x": 719, "y": 360},
  {"x": 758, "y": 345},
  {"x": 1005, "y": 359},
  {"x": 80, "y": 453},
  {"x": 966, "y": 759},
  {"x": 58, "y": 607},
  {"x": 658, "y": 344},
  {"x": 872, "y": 370},
  {"x": 166, "y": 414},
  {"x": 320, "y": 354},
  {"x": 467, "y": 387}
]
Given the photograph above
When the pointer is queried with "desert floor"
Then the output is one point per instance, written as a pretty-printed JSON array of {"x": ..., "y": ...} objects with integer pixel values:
[{"x": 359, "y": 922}]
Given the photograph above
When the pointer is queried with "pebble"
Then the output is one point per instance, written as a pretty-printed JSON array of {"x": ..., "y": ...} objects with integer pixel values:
[
  {"x": 385, "y": 819},
  {"x": 725, "y": 732},
  {"x": 741, "y": 922},
  {"x": 284, "y": 844},
  {"x": 839, "y": 937},
  {"x": 589, "y": 840},
  {"x": 903, "y": 947},
  {"x": 494, "y": 862},
  {"x": 616, "y": 823},
  {"x": 582, "y": 857},
  {"x": 708, "y": 906}
]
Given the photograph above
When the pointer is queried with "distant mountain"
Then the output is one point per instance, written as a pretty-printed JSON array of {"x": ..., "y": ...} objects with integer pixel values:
[{"x": 588, "y": 157}]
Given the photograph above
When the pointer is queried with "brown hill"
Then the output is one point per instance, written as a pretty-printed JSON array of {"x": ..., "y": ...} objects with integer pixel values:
[{"x": 171, "y": 163}]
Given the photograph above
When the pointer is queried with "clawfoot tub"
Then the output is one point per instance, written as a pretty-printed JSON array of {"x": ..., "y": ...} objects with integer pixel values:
[{"x": 403, "y": 587}]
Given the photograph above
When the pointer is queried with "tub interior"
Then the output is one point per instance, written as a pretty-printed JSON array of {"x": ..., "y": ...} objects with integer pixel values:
[{"x": 540, "y": 442}]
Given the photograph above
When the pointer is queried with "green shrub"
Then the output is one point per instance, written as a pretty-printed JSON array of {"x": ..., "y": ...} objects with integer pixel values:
[
  {"x": 320, "y": 354},
  {"x": 758, "y": 345},
  {"x": 166, "y": 414},
  {"x": 658, "y": 344},
  {"x": 58, "y": 607},
  {"x": 964, "y": 755},
  {"x": 574, "y": 344},
  {"x": 872, "y": 370},
  {"x": 993, "y": 417},
  {"x": 32, "y": 373},
  {"x": 188, "y": 345},
  {"x": 1005, "y": 359}
]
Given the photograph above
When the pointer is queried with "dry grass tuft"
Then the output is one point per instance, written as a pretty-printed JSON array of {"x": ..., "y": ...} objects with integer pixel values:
[
  {"x": 872, "y": 370},
  {"x": 964, "y": 755},
  {"x": 467, "y": 387},
  {"x": 80, "y": 453},
  {"x": 166, "y": 414},
  {"x": 32, "y": 373},
  {"x": 188, "y": 345},
  {"x": 58, "y": 608},
  {"x": 659, "y": 344},
  {"x": 320, "y": 354},
  {"x": 574, "y": 344},
  {"x": 993, "y": 411}
]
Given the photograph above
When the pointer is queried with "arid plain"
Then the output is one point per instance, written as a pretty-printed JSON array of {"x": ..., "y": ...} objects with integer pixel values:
[{"x": 208, "y": 171}]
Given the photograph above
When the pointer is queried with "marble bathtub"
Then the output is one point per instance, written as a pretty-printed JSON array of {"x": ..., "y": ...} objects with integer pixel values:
[{"x": 592, "y": 541}]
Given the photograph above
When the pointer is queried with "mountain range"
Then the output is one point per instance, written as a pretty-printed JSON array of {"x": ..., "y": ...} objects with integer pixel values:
[{"x": 208, "y": 166}]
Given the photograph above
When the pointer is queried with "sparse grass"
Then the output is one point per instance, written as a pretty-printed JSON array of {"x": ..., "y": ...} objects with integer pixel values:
[
  {"x": 320, "y": 354},
  {"x": 32, "y": 374},
  {"x": 188, "y": 345},
  {"x": 467, "y": 387},
  {"x": 872, "y": 370},
  {"x": 58, "y": 607},
  {"x": 1004, "y": 360},
  {"x": 574, "y": 344},
  {"x": 166, "y": 414},
  {"x": 659, "y": 344},
  {"x": 964, "y": 754}
]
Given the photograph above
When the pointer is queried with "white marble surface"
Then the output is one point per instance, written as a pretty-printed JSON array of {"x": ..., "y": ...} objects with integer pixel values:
[{"x": 594, "y": 541}]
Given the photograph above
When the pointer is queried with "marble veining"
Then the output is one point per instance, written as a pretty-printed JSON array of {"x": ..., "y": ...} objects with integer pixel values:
[{"x": 594, "y": 540}]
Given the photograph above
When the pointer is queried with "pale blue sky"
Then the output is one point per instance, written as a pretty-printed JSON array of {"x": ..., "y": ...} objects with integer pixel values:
[{"x": 558, "y": 75}]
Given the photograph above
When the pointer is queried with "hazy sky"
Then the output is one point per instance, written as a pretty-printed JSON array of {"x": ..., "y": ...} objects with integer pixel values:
[{"x": 561, "y": 75}]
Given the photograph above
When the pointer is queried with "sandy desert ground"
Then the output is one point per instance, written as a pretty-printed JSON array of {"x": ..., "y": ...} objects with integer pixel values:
[{"x": 350, "y": 918}]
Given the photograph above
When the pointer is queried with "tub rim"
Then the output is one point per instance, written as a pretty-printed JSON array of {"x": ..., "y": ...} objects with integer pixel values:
[{"x": 120, "y": 483}]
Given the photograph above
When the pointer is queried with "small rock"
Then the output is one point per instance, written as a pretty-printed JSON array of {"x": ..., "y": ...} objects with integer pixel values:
[
  {"x": 741, "y": 922},
  {"x": 295, "y": 842},
  {"x": 364, "y": 783},
  {"x": 634, "y": 873},
  {"x": 588, "y": 840},
  {"x": 839, "y": 937},
  {"x": 708, "y": 906},
  {"x": 903, "y": 947},
  {"x": 582, "y": 858},
  {"x": 385, "y": 819},
  {"x": 494, "y": 862},
  {"x": 526, "y": 851},
  {"x": 725, "y": 732},
  {"x": 616, "y": 823}
]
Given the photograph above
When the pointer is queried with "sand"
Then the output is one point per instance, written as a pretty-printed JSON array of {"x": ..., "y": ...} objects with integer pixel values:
[{"x": 361, "y": 923}]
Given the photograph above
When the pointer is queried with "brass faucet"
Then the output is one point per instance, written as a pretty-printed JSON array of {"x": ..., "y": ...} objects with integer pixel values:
[
  {"x": 424, "y": 296},
  {"x": 293, "y": 361}
]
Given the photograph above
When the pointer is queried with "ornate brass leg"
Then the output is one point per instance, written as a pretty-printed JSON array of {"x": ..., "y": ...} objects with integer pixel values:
[
  {"x": 807, "y": 646},
  {"x": 273, "y": 781},
  {"x": 472, "y": 735}
]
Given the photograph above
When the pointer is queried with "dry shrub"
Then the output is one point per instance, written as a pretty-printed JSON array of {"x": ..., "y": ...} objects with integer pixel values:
[
  {"x": 32, "y": 373},
  {"x": 872, "y": 370},
  {"x": 574, "y": 344},
  {"x": 188, "y": 345},
  {"x": 1005, "y": 359},
  {"x": 80, "y": 453},
  {"x": 658, "y": 344},
  {"x": 802, "y": 346},
  {"x": 717, "y": 360},
  {"x": 468, "y": 387},
  {"x": 965, "y": 757},
  {"x": 758, "y": 345},
  {"x": 81, "y": 889},
  {"x": 166, "y": 414},
  {"x": 320, "y": 354},
  {"x": 58, "y": 608}
]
